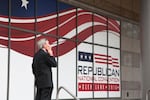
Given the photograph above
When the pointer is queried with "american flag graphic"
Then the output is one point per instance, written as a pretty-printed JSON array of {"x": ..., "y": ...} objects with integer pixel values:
[
  {"x": 53, "y": 22},
  {"x": 98, "y": 58}
]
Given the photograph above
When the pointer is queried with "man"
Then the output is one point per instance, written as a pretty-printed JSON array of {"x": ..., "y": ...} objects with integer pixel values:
[{"x": 42, "y": 62}]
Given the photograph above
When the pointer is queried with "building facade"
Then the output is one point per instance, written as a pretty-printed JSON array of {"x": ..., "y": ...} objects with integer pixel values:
[{"x": 98, "y": 56}]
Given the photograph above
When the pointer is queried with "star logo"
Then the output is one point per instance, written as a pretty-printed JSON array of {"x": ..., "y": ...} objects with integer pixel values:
[{"x": 24, "y": 3}]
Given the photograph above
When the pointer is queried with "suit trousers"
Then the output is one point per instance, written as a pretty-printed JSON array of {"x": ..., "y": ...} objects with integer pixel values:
[{"x": 44, "y": 93}]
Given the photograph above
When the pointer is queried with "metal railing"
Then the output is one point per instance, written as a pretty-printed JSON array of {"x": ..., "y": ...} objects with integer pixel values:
[
  {"x": 148, "y": 95},
  {"x": 61, "y": 87}
]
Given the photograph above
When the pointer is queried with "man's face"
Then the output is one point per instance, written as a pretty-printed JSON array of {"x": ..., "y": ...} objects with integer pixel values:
[{"x": 46, "y": 45}]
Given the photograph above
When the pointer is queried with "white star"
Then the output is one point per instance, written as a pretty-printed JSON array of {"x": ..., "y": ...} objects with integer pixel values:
[
  {"x": 24, "y": 3},
  {"x": 85, "y": 57},
  {"x": 89, "y": 57},
  {"x": 81, "y": 56}
]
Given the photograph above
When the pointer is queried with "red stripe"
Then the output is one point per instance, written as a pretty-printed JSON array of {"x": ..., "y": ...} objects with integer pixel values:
[
  {"x": 114, "y": 22},
  {"x": 115, "y": 65},
  {"x": 114, "y": 58},
  {"x": 98, "y": 87},
  {"x": 27, "y": 47},
  {"x": 98, "y": 18},
  {"x": 115, "y": 62},
  {"x": 66, "y": 47},
  {"x": 97, "y": 58}
]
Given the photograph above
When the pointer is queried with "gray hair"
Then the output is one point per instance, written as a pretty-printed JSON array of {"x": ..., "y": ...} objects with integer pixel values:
[{"x": 41, "y": 42}]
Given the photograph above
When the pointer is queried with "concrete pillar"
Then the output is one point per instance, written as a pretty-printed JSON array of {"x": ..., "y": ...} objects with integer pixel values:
[{"x": 145, "y": 45}]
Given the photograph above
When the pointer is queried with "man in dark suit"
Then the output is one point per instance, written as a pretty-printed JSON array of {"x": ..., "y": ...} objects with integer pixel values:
[{"x": 42, "y": 62}]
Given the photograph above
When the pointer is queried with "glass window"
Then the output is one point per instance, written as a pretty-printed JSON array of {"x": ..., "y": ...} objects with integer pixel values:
[
  {"x": 4, "y": 13},
  {"x": 21, "y": 77},
  {"x": 67, "y": 21},
  {"x": 100, "y": 72},
  {"x": 84, "y": 25},
  {"x": 67, "y": 67},
  {"x": 84, "y": 71},
  {"x": 114, "y": 81},
  {"x": 23, "y": 14},
  {"x": 113, "y": 33},
  {"x": 100, "y": 29},
  {"x": 47, "y": 16},
  {"x": 4, "y": 62}
]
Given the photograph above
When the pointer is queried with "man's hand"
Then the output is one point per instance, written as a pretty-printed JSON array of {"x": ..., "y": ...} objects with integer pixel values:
[{"x": 49, "y": 50}]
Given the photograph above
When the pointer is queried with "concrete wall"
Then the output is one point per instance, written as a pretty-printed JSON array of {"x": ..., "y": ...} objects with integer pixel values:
[
  {"x": 129, "y": 9},
  {"x": 131, "y": 62},
  {"x": 145, "y": 36}
]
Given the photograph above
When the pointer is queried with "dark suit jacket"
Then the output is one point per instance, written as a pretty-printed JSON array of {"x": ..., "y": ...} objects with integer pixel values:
[{"x": 41, "y": 67}]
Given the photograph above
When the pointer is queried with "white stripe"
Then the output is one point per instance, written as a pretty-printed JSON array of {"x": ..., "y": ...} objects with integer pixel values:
[
  {"x": 109, "y": 21},
  {"x": 2, "y": 46},
  {"x": 45, "y": 32},
  {"x": 101, "y": 17},
  {"x": 69, "y": 35},
  {"x": 2, "y": 19},
  {"x": 114, "y": 26},
  {"x": 115, "y": 33}
]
